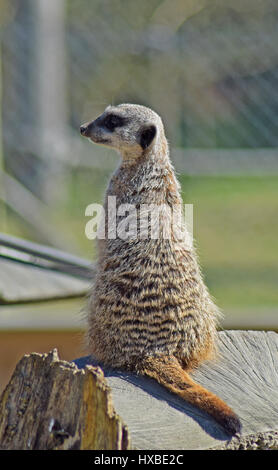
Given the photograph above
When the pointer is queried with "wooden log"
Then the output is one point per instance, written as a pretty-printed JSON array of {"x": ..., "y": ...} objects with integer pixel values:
[{"x": 50, "y": 404}]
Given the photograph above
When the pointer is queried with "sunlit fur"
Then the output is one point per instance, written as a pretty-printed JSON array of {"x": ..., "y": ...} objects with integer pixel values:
[{"x": 149, "y": 309}]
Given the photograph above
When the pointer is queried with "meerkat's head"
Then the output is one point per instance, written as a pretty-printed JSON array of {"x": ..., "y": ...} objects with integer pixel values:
[{"x": 129, "y": 128}]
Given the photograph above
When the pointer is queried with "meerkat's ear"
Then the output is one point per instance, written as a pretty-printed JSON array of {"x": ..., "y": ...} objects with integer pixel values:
[{"x": 147, "y": 134}]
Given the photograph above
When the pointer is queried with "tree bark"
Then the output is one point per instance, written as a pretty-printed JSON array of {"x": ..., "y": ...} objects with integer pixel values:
[{"x": 51, "y": 404}]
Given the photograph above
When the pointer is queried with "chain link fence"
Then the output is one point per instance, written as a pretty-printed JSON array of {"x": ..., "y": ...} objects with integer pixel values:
[{"x": 209, "y": 67}]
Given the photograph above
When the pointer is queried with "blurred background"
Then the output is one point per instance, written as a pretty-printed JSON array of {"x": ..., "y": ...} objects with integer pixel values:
[{"x": 210, "y": 69}]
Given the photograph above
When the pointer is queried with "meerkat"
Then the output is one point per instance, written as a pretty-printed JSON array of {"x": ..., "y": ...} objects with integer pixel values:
[{"x": 149, "y": 310}]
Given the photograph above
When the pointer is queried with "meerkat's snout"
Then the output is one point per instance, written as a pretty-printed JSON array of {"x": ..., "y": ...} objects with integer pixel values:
[
  {"x": 92, "y": 130},
  {"x": 86, "y": 129},
  {"x": 83, "y": 129}
]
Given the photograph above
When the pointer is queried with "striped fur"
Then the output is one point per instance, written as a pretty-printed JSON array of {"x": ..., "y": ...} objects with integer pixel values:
[{"x": 149, "y": 306}]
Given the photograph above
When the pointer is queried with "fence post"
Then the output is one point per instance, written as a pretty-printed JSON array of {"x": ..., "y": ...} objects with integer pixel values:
[{"x": 51, "y": 88}]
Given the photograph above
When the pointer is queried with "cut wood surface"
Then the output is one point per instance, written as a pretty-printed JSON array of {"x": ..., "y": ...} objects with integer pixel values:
[
  {"x": 245, "y": 376},
  {"x": 52, "y": 404}
]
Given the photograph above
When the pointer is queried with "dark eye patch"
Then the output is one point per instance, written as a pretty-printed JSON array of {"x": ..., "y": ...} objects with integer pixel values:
[{"x": 112, "y": 121}]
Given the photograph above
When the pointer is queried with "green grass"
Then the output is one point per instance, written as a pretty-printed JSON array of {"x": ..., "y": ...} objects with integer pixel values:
[{"x": 236, "y": 231}]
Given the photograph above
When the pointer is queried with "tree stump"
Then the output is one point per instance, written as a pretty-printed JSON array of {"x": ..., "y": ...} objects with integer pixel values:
[{"x": 53, "y": 404}]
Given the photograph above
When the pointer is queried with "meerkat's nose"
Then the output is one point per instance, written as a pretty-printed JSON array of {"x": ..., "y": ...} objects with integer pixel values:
[{"x": 83, "y": 129}]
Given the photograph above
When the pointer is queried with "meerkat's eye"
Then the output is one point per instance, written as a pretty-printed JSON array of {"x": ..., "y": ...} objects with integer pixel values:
[{"x": 112, "y": 121}]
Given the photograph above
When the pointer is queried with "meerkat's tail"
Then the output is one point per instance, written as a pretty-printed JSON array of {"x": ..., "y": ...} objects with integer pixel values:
[{"x": 169, "y": 373}]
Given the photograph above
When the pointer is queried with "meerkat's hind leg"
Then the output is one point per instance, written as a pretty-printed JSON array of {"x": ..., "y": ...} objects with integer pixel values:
[{"x": 169, "y": 373}]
